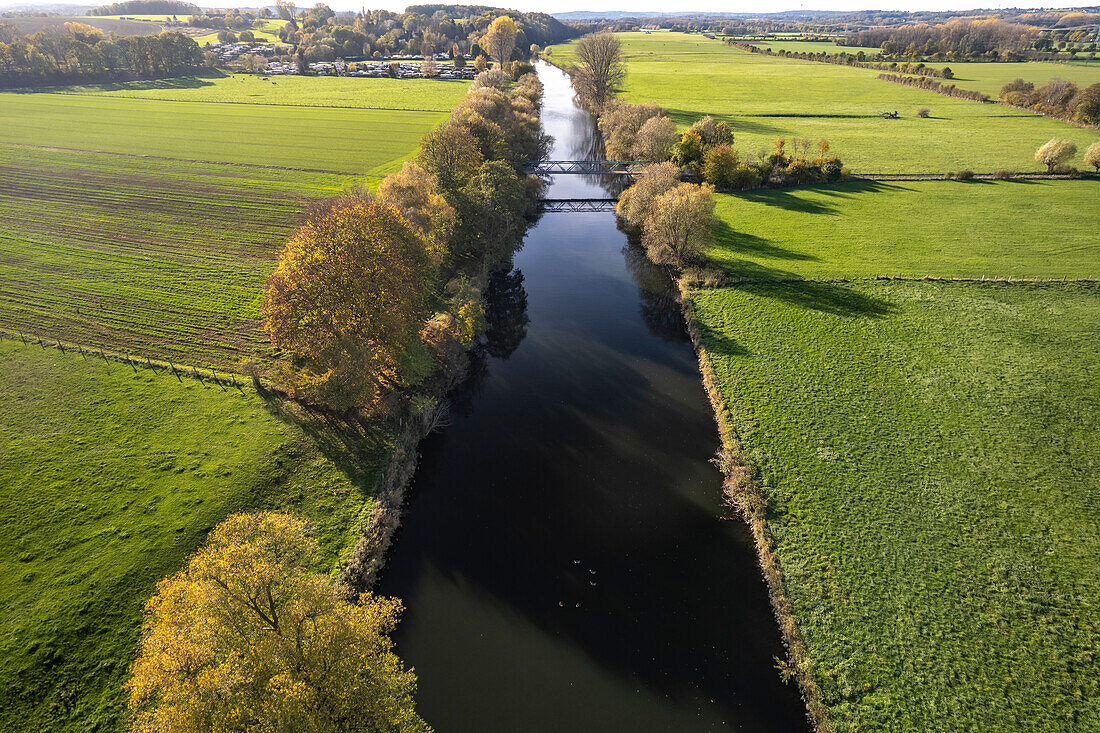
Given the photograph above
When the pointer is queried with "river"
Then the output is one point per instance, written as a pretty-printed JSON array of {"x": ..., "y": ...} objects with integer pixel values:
[{"x": 563, "y": 557}]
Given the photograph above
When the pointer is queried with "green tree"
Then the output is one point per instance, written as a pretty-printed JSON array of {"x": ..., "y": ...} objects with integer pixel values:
[{"x": 720, "y": 167}]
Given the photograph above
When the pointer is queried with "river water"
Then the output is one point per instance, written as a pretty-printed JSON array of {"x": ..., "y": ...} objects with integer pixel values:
[{"x": 563, "y": 557}]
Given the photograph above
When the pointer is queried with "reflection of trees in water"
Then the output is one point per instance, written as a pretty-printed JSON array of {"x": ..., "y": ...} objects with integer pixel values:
[
  {"x": 659, "y": 308},
  {"x": 506, "y": 322},
  {"x": 506, "y": 313}
]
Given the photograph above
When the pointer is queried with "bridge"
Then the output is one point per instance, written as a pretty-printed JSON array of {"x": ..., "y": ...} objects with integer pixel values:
[
  {"x": 575, "y": 205},
  {"x": 585, "y": 167}
]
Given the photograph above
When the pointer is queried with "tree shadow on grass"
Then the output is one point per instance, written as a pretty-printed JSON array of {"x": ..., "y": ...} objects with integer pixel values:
[
  {"x": 823, "y": 297},
  {"x": 194, "y": 81},
  {"x": 743, "y": 243},
  {"x": 354, "y": 444},
  {"x": 738, "y": 124}
]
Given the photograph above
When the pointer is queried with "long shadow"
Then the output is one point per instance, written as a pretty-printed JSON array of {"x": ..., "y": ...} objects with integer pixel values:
[
  {"x": 193, "y": 81},
  {"x": 824, "y": 297},
  {"x": 353, "y": 443},
  {"x": 744, "y": 243},
  {"x": 737, "y": 123}
]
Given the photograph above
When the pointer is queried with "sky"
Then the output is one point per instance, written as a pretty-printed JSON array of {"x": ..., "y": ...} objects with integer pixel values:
[{"x": 712, "y": 6}]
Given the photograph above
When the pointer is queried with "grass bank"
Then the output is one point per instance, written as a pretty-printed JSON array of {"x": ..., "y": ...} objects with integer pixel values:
[
  {"x": 766, "y": 97},
  {"x": 927, "y": 454},
  {"x": 110, "y": 478}
]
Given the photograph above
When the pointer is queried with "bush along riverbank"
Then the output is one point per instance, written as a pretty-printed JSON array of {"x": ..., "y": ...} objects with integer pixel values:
[{"x": 378, "y": 299}]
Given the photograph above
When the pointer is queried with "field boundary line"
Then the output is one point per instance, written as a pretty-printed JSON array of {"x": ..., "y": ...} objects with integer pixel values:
[
  {"x": 730, "y": 281},
  {"x": 160, "y": 368},
  {"x": 183, "y": 160},
  {"x": 254, "y": 104}
]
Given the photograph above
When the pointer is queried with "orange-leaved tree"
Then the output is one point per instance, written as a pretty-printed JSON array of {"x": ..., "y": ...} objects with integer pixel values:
[
  {"x": 247, "y": 638},
  {"x": 347, "y": 301}
]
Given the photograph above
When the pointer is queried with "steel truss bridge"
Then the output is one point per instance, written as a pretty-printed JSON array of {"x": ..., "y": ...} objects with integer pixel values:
[
  {"x": 575, "y": 205},
  {"x": 585, "y": 167}
]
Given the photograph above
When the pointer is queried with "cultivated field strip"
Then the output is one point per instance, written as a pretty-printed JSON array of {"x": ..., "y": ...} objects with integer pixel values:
[
  {"x": 165, "y": 260},
  {"x": 349, "y": 141}
]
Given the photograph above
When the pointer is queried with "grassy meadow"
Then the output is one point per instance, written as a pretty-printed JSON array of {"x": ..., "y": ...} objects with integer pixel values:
[
  {"x": 350, "y": 141},
  {"x": 418, "y": 95},
  {"x": 860, "y": 229},
  {"x": 929, "y": 455},
  {"x": 109, "y": 479},
  {"x": 989, "y": 78},
  {"x": 764, "y": 97}
]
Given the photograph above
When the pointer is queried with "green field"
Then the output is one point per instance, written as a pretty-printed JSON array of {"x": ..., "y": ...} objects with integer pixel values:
[
  {"x": 150, "y": 257},
  {"x": 929, "y": 452},
  {"x": 812, "y": 47},
  {"x": 1018, "y": 229},
  {"x": 354, "y": 141},
  {"x": 109, "y": 479},
  {"x": 765, "y": 97},
  {"x": 421, "y": 95},
  {"x": 148, "y": 225},
  {"x": 989, "y": 78}
]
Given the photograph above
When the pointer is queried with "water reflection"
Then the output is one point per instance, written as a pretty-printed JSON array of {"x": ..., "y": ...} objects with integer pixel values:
[{"x": 658, "y": 304}]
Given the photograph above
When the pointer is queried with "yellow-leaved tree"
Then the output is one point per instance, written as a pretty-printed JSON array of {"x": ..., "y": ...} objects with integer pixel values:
[
  {"x": 246, "y": 638},
  {"x": 500, "y": 39},
  {"x": 347, "y": 301}
]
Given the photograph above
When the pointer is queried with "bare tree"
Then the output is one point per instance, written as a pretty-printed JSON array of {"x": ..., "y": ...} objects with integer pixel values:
[{"x": 601, "y": 69}]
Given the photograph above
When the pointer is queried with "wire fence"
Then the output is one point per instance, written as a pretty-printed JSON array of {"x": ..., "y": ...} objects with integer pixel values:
[{"x": 161, "y": 368}]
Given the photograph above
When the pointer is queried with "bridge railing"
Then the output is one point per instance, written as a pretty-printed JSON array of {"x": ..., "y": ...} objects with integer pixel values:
[
  {"x": 546, "y": 206},
  {"x": 586, "y": 167}
]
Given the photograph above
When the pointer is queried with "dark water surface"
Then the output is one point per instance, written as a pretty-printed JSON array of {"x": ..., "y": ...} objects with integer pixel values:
[{"x": 562, "y": 558}]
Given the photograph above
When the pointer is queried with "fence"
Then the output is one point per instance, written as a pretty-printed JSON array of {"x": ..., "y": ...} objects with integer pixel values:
[{"x": 158, "y": 367}]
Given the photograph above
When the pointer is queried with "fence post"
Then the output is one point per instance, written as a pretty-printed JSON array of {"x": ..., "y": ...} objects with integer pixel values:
[{"x": 173, "y": 367}]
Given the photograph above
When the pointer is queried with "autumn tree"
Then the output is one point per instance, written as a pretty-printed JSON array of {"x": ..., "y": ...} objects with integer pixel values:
[
  {"x": 1092, "y": 156},
  {"x": 500, "y": 39},
  {"x": 450, "y": 153},
  {"x": 689, "y": 151},
  {"x": 416, "y": 194},
  {"x": 428, "y": 67},
  {"x": 680, "y": 224},
  {"x": 654, "y": 140},
  {"x": 247, "y": 638},
  {"x": 347, "y": 301},
  {"x": 721, "y": 166},
  {"x": 620, "y": 124},
  {"x": 601, "y": 69},
  {"x": 1055, "y": 153},
  {"x": 636, "y": 201},
  {"x": 492, "y": 213}
]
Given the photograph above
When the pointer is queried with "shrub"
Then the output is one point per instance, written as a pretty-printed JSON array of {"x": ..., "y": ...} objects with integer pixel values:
[
  {"x": 1004, "y": 174},
  {"x": 964, "y": 175},
  {"x": 923, "y": 112}
]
